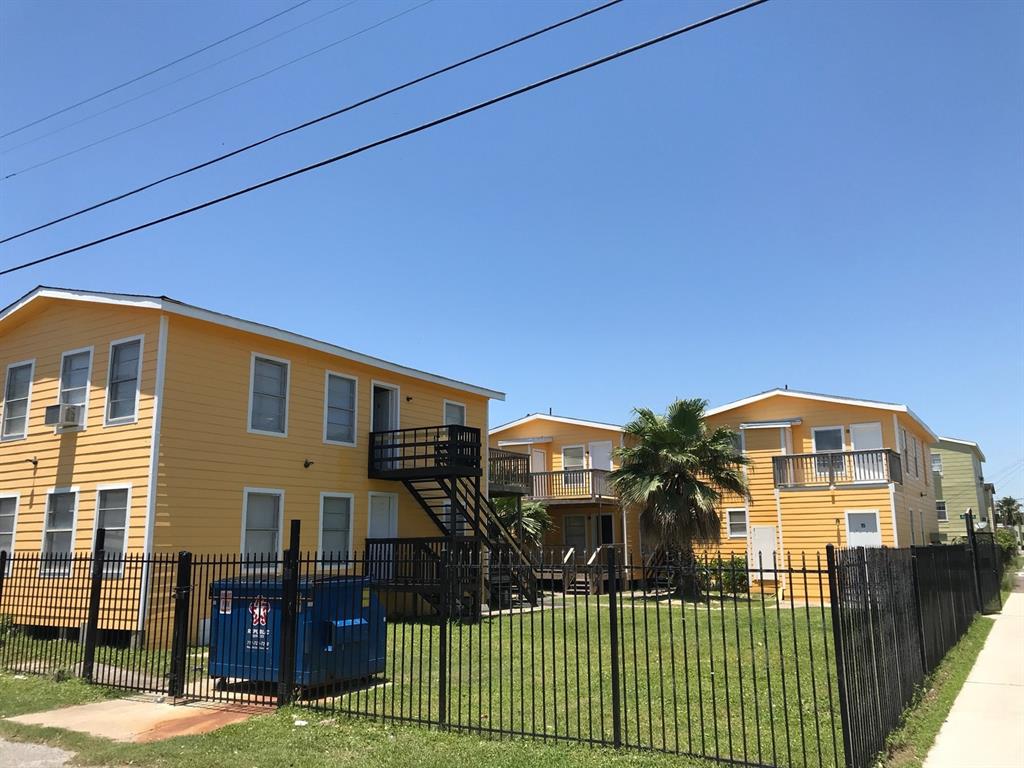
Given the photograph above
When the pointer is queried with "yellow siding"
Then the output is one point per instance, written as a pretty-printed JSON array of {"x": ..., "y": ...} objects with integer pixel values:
[
  {"x": 561, "y": 435},
  {"x": 207, "y": 456},
  {"x": 83, "y": 459}
]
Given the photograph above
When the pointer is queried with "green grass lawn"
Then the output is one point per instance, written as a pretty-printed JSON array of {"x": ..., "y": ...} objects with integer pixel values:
[
  {"x": 909, "y": 744},
  {"x": 747, "y": 679}
]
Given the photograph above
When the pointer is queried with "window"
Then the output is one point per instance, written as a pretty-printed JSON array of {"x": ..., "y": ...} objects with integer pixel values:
[
  {"x": 17, "y": 389},
  {"x": 937, "y": 463},
  {"x": 940, "y": 511},
  {"x": 454, "y": 413},
  {"x": 828, "y": 440},
  {"x": 74, "y": 380},
  {"x": 261, "y": 524},
  {"x": 737, "y": 443},
  {"x": 112, "y": 517},
  {"x": 917, "y": 457},
  {"x": 336, "y": 525},
  {"x": 123, "y": 381},
  {"x": 268, "y": 396},
  {"x": 340, "y": 410},
  {"x": 737, "y": 520},
  {"x": 59, "y": 532},
  {"x": 8, "y": 513},
  {"x": 905, "y": 447}
]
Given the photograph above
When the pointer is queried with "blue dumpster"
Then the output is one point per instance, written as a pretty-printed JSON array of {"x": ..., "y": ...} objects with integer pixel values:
[{"x": 340, "y": 630}]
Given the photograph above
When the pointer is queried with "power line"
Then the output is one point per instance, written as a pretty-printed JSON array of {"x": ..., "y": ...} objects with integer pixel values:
[
  {"x": 214, "y": 95},
  {"x": 400, "y": 135},
  {"x": 154, "y": 71},
  {"x": 321, "y": 118},
  {"x": 169, "y": 83}
]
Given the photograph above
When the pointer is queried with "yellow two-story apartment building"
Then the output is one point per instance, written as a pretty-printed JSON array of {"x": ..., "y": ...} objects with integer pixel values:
[
  {"x": 569, "y": 461},
  {"x": 174, "y": 427},
  {"x": 826, "y": 470}
]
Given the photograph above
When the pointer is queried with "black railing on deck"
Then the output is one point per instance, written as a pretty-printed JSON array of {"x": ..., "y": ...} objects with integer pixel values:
[
  {"x": 572, "y": 484},
  {"x": 418, "y": 451},
  {"x": 508, "y": 471},
  {"x": 836, "y": 468}
]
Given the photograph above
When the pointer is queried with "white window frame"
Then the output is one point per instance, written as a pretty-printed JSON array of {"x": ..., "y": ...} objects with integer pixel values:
[
  {"x": 355, "y": 407},
  {"x": 351, "y": 520},
  {"x": 28, "y": 401},
  {"x": 88, "y": 389},
  {"x": 842, "y": 437},
  {"x": 573, "y": 469},
  {"x": 945, "y": 511},
  {"x": 14, "y": 524},
  {"x": 444, "y": 411},
  {"x": 746, "y": 522},
  {"x": 252, "y": 384},
  {"x": 279, "y": 492},
  {"x": 52, "y": 572},
  {"x": 917, "y": 456},
  {"x": 107, "y": 571},
  {"x": 134, "y": 418},
  {"x": 936, "y": 455}
]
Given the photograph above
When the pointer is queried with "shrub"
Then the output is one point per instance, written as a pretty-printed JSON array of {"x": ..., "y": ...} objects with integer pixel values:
[
  {"x": 724, "y": 575},
  {"x": 1006, "y": 540}
]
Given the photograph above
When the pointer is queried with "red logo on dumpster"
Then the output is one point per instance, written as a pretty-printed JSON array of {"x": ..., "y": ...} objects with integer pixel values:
[{"x": 259, "y": 609}]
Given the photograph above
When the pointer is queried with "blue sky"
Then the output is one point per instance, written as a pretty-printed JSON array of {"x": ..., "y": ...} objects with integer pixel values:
[{"x": 824, "y": 195}]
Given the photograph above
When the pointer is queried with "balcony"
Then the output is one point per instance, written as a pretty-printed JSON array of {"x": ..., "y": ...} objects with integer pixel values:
[
  {"x": 508, "y": 473},
  {"x": 834, "y": 469},
  {"x": 572, "y": 485},
  {"x": 425, "y": 452}
]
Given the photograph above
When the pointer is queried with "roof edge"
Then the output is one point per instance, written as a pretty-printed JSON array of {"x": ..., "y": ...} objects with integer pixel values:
[
  {"x": 560, "y": 419},
  {"x": 166, "y": 304}
]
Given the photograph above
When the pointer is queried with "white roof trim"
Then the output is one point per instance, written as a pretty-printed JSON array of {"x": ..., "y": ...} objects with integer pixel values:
[
  {"x": 172, "y": 306},
  {"x": 968, "y": 443},
  {"x": 524, "y": 441},
  {"x": 560, "y": 419},
  {"x": 899, "y": 408}
]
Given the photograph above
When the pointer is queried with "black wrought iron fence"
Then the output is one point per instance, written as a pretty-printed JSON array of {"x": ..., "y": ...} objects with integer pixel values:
[{"x": 801, "y": 663}]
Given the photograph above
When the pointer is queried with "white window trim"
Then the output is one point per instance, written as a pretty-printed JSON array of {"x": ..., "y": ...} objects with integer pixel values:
[
  {"x": 932, "y": 457},
  {"x": 74, "y": 527},
  {"x": 245, "y": 517},
  {"x": 351, "y": 520},
  {"x": 444, "y": 409},
  {"x": 107, "y": 421},
  {"x": 945, "y": 510},
  {"x": 842, "y": 437},
  {"x": 14, "y": 528},
  {"x": 252, "y": 383},
  {"x": 355, "y": 408},
  {"x": 746, "y": 522},
  {"x": 88, "y": 389},
  {"x": 573, "y": 469},
  {"x": 397, "y": 410},
  {"x": 127, "y": 520},
  {"x": 28, "y": 401}
]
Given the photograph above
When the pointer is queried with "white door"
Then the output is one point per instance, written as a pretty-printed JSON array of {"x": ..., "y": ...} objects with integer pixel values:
[
  {"x": 862, "y": 529},
  {"x": 867, "y": 437},
  {"x": 538, "y": 466},
  {"x": 601, "y": 454},
  {"x": 761, "y": 556},
  {"x": 383, "y": 525}
]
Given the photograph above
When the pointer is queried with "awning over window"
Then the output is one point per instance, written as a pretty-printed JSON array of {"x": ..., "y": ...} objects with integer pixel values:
[
  {"x": 523, "y": 441},
  {"x": 774, "y": 424}
]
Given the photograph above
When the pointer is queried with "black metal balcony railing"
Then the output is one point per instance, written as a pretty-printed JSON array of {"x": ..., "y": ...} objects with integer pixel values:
[
  {"x": 451, "y": 450},
  {"x": 508, "y": 472},
  {"x": 804, "y": 470},
  {"x": 572, "y": 484}
]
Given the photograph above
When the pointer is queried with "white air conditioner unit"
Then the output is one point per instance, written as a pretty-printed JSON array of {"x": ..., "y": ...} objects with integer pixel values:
[{"x": 63, "y": 415}]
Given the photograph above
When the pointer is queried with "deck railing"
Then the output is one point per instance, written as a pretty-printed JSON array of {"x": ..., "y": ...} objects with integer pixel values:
[
  {"x": 804, "y": 470},
  {"x": 572, "y": 484},
  {"x": 508, "y": 472},
  {"x": 450, "y": 449}
]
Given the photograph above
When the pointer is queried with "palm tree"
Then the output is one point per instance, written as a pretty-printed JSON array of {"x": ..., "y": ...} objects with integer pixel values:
[
  {"x": 676, "y": 468},
  {"x": 1008, "y": 511},
  {"x": 529, "y": 520}
]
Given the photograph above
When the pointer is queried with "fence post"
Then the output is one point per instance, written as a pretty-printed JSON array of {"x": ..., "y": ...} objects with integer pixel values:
[
  {"x": 93, "y": 617},
  {"x": 972, "y": 543},
  {"x": 180, "y": 627},
  {"x": 442, "y": 643},
  {"x": 3, "y": 573},
  {"x": 917, "y": 608},
  {"x": 613, "y": 637},
  {"x": 289, "y": 604},
  {"x": 840, "y": 649}
]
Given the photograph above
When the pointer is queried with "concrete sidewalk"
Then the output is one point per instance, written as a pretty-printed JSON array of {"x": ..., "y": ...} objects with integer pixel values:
[{"x": 985, "y": 727}]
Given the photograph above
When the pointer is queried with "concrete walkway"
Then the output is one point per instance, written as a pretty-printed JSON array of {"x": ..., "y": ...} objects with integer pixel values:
[
  {"x": 985, "y": 727},
  {"x": 32, "y": 755}
]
